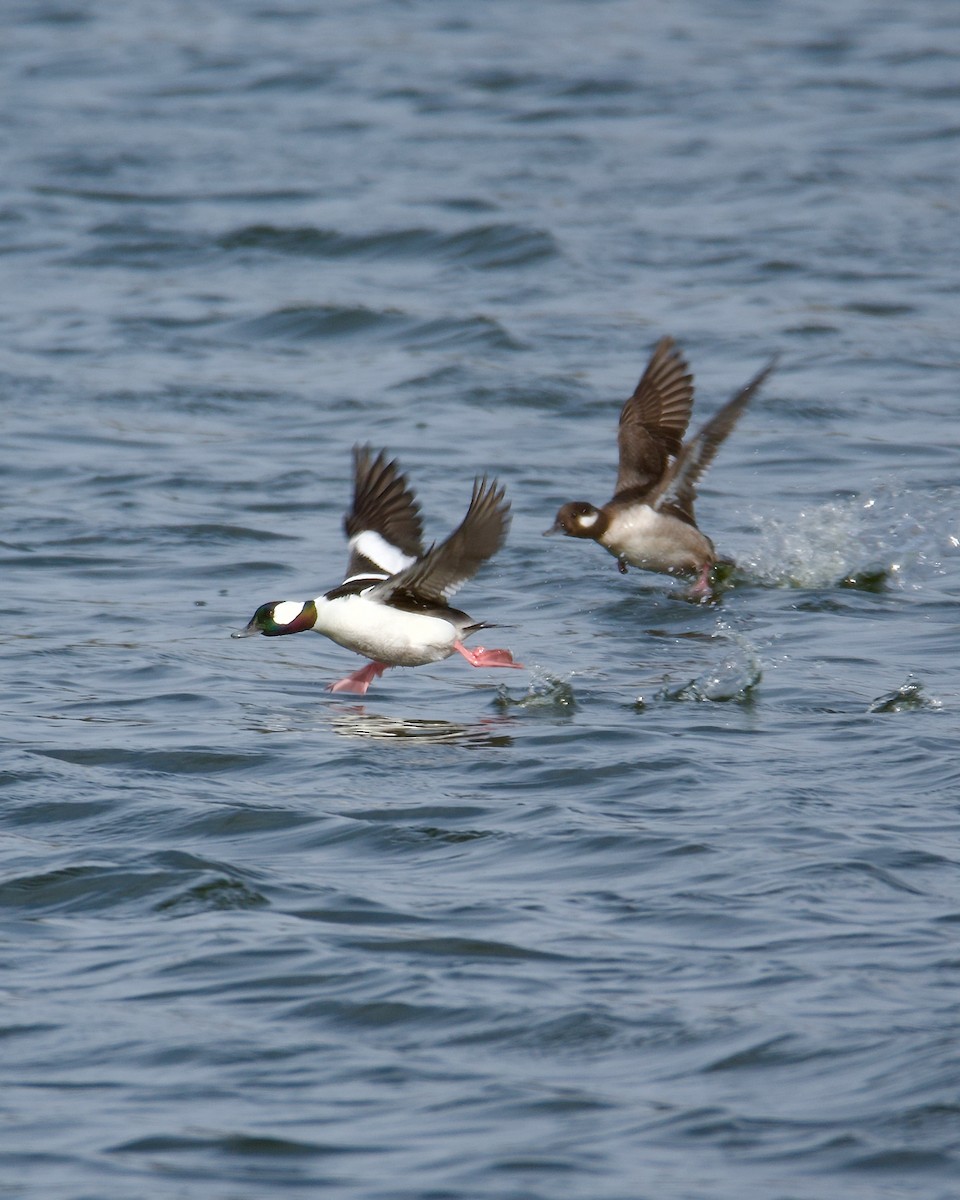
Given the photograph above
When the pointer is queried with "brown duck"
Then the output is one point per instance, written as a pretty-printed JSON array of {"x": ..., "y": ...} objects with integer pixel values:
[{"x": 649, "y": 522}]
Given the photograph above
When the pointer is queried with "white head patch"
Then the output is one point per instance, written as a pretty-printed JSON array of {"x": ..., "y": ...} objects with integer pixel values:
[
  {"x": 587, "y": 520},
  {"x": 287, "y": 611},
  {"x": 375, "y": 547}
]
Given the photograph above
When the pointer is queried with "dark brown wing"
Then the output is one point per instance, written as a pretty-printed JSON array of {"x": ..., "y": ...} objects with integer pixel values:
[
  {"x": 383, "y": 526},
  {"x": 444, "y": 568},
  {"x": 678, "y": 488},
  {"x": 654, "y": 419}
]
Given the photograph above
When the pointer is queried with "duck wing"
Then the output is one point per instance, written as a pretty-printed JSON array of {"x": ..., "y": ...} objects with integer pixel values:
[
  {"x": 678, "y": 488},
  {"x": 383, "y": 526},
  {"x": 435, "y": 576},
  {"x": 654, "y": 419}
]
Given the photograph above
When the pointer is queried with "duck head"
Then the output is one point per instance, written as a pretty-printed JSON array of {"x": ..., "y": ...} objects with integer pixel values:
[
  {"x": 277, "y": 617},
  {"x": 579, "y": 519}
]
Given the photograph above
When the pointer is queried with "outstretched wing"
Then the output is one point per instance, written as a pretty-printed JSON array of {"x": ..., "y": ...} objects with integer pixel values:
[
  {"x": 445, "y": 568},
  {"x": 678, "y": 488},
  {"x": 654, "y": 419},
  {"x": 383, "y": 526}
]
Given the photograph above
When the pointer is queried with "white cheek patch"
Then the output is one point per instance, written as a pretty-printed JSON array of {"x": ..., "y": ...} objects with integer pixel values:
[
  {"x": 287, "y": 611},
  {"x": 371, "y": 545},
  {"x": 586, "y": 520}
]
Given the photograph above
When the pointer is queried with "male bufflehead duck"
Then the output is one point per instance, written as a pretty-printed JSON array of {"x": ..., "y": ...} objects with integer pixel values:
[
  {"x": 649, "y": 523},
  {"x": 392, "y": 607}
]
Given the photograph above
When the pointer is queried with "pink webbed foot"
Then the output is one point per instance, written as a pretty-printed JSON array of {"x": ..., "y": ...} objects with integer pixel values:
[
  {"x": 359, "y": 681},
  {"x": 480, "y": 657},
  {"x": 702, "y": 590}
]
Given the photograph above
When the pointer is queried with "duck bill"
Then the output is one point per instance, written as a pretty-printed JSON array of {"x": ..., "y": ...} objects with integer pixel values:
[
  {"x": 247, "y": 631},
  {"x": 553, "y": 530}
]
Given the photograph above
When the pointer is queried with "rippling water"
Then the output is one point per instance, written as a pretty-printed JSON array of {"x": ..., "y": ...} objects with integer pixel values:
[{"x": 674, "y": 913}]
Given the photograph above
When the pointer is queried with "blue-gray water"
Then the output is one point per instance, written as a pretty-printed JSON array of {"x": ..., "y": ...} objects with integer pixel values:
[{"x": 671, "y": 915}]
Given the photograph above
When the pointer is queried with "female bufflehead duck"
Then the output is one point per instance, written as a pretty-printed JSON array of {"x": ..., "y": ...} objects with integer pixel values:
[
  {"x": 649, "y": 523},
  {"x": 392, "y": 607}
]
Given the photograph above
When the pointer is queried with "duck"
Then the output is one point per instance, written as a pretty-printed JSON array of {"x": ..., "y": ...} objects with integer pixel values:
[
  {"x": 392, "y": 606},
  {"x": 649, "y": 523}
]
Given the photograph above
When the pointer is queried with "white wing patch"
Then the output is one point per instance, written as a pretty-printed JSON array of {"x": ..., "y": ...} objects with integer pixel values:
[
  {"x": 287, "y": 611},
  {"x": 378, "y": 550}
]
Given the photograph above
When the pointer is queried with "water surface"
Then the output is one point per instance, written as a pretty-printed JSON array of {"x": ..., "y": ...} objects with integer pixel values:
[{"x": 671, "y": 914}]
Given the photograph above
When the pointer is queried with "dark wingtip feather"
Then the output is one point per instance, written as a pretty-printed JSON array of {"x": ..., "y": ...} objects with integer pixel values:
[
  {"x": 445, "y": 567},
  {"x": 383, "y": 501},
  {"x": 655, "y": 418},
  {"x": 680, "y": 483}
]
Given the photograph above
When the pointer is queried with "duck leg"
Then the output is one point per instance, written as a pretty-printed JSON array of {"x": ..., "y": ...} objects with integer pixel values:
[
  {"x": 702, "y": 590},
  {"x": 480, "y": 657},
  {"x": 359, "y": 681}
]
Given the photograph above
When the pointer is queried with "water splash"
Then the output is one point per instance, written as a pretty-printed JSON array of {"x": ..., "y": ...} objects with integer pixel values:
[
  {"x": 816, "y": 548},
  {"x": 909, "y": 697},
  {"x": 733, "y": 678},
  {"x": 891, "y": 537},
  {"x": 546, "y": 694}
]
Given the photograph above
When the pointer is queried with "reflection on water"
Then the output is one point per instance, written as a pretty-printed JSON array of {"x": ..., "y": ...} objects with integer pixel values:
[
  {"x": 358, "y": 723},
  {"x": 545, "y": 695}
]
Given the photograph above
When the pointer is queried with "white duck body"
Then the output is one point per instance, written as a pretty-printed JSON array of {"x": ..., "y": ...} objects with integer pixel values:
[{"x": 386, "y": 634}]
